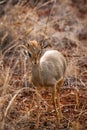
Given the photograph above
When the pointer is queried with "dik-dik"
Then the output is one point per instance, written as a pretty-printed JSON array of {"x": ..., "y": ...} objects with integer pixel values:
[{"x": 48, "y": 70}]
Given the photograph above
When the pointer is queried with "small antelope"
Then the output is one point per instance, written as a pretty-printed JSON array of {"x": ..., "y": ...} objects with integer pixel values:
[{"x": 48, "y": 70}]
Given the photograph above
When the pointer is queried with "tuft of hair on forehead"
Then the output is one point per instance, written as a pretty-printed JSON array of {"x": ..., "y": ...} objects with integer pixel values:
[
  {"x": 34, "y": 44},
  {"x": 34, "y": 47}
]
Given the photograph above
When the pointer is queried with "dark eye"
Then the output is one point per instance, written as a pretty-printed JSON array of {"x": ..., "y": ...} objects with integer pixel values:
[{"x": 29, "y": 54}]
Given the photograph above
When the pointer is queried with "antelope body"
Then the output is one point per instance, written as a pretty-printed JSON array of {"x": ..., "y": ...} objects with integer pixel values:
[{"x": 48, "y": 70}]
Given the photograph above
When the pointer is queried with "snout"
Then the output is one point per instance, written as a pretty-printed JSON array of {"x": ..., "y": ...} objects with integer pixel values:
[{"x": 35, "y": 61}]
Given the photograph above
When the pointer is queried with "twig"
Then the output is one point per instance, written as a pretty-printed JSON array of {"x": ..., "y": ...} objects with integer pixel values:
[
  {"x": 12, "y": 101},
  {"x": 2, "y": 2},
  {"x": 46, "y": 3}
]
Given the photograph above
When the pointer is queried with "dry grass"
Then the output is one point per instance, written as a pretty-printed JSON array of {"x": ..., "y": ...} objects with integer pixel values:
[{"x": 22, "y": 106}]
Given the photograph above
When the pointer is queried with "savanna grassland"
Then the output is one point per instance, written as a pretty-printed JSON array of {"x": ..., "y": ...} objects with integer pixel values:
[{"x": 57, "y": 24}]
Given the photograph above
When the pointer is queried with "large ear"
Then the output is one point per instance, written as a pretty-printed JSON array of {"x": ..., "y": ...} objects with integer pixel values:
[
  {"x": 44, "y": 44},
  {"x": 23, "y": 46}
]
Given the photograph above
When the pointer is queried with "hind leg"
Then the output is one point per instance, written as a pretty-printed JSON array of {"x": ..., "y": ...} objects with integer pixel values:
[
  {"x": 54, "y": 103},
  {"x": 59, "y": 84}
]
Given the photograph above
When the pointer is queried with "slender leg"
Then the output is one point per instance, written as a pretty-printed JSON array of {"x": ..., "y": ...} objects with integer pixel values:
[
  {"x": 59, "y": 84},
  {"x": 58, "y": 99},
  {"x": 38, "y": 118},
  {"x": 54, "y": 103}
]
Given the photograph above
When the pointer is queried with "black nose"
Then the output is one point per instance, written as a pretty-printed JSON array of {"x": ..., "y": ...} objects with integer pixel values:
[{"x": 35, "y": 62}]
